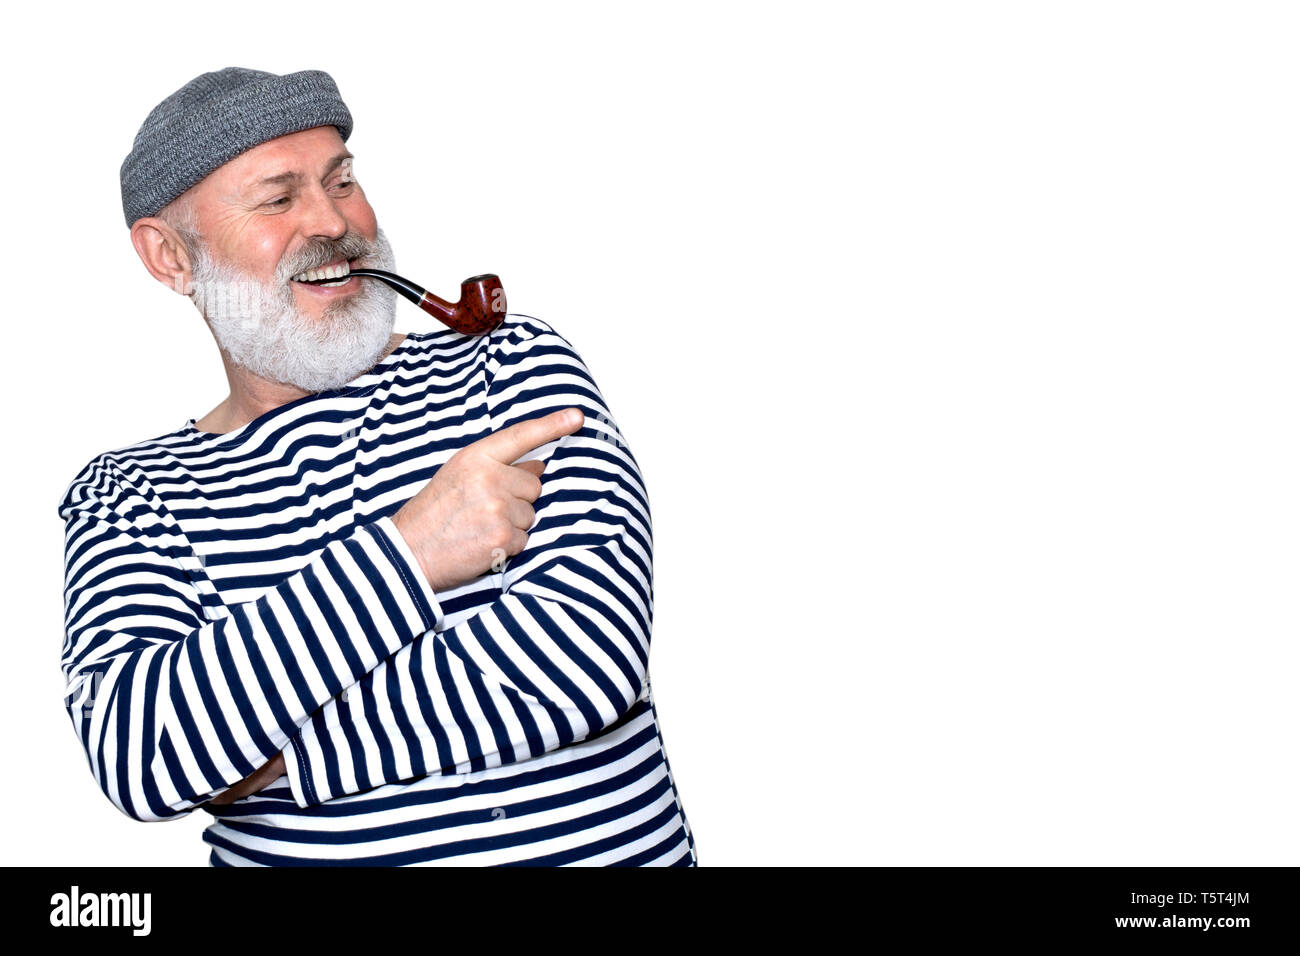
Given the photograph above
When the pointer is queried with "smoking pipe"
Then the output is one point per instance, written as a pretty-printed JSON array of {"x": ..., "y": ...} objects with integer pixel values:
[{"x": 481, "y": 308}]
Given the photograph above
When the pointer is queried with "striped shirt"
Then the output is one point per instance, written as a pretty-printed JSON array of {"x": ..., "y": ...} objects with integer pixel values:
[{"x": 233, "y": 596}]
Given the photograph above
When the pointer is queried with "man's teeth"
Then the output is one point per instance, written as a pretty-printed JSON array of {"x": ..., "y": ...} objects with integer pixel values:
[{"x": 328, "y": 272}]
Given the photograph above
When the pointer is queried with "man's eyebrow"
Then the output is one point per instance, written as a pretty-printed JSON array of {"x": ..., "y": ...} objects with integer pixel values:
[{"x": 291, "y": 176}]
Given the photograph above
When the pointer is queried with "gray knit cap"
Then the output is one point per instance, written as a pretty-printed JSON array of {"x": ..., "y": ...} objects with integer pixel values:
[{"x": 215, "y": 117}]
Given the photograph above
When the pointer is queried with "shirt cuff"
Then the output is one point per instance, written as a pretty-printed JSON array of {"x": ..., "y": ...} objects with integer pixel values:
[
  {"x": 295, "y": 768},
  {"x": 400, "y": 553}
]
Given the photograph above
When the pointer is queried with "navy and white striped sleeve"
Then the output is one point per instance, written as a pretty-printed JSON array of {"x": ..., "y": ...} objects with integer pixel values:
[
  {"x": 559, "y": 656},
  {"x": 172, "y": 708}
]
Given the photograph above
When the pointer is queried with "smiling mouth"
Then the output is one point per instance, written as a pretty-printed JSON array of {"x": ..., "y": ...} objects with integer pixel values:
[{"x": 330, "y": 276}]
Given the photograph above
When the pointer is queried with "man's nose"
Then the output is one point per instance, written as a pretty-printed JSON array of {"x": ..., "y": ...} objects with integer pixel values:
[{"x": 322, "y": 216}]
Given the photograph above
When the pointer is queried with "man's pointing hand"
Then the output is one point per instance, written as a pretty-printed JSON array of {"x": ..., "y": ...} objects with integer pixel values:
[{"x": 480, "y": 502}]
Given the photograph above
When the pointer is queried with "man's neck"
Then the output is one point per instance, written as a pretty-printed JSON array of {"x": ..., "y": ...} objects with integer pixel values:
[{"x": 251, "y": 396}]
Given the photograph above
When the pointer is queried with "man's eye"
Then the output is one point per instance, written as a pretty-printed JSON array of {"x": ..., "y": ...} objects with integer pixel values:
[
  {"x": 276, "y": 202},
  {"x": 345, "y": 184}
]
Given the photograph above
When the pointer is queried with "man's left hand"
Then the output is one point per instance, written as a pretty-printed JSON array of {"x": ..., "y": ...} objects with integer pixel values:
[{"x": 254, "y": 782}]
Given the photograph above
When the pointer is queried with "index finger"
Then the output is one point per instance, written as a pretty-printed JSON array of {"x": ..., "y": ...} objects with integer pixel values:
[{"x": 508, "y": 444}]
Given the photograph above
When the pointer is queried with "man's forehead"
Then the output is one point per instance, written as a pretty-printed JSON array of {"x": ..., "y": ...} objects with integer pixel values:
[
  {"x": 283, "y": 176},
  {"x": 284, "y": 160}
]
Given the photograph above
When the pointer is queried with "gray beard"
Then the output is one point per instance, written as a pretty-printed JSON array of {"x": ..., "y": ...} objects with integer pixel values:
[{"x": 261, "y": 328}]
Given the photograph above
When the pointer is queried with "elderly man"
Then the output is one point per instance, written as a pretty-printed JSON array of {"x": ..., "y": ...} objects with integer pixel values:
[{"x": 390, "y": 601}]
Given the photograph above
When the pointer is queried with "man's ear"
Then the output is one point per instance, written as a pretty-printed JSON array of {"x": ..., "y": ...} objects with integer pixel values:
[{"x": 163, "y": 253}]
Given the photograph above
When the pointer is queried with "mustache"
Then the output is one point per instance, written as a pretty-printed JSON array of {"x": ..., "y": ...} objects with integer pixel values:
[{"x": 321, "y": 252}]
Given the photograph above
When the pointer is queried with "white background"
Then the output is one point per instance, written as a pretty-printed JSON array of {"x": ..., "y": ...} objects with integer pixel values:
[{"x": 957, "y": 343}]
